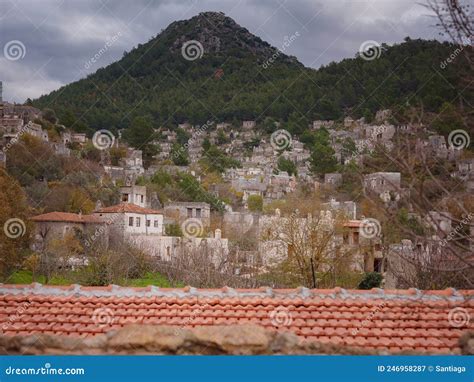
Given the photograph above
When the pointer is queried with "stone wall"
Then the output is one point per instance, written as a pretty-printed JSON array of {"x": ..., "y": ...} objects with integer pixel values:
[{"x": 206, "y": 340}]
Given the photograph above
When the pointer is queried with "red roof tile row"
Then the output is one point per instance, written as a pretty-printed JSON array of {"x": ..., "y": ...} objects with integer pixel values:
[
  {"x": 67, "y": 217},
  {"x": 394, "y": 321}
]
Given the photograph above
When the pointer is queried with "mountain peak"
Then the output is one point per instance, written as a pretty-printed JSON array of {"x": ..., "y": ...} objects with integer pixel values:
[{"x": 220, "y": 34}]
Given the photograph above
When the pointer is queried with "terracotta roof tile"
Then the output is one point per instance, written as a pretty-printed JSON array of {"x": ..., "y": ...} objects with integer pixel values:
[
  {"x": 67, "y": 217},
  {"x": 391, "y": 320}
]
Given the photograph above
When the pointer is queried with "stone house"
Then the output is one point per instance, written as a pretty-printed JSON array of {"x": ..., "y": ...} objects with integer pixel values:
[
  {"x": 79, "y": 138},
  {"x": 437, "y": 145},
  {"x": 66, "y": 137},
  {"x": 126, "y": 220},
  {"x": 223, "y": 125},
  {"x": 383, "y": 182},
  {"x": 332, "y": 180},
  {"x": 348, "y": 122},
  {"x": 165, "y": 150},
  {"x": 134, "y": 194},
  {"x": 348, "y": 208},
  {"x": 37, "y": 131},
  {"x": 319, "y": 124},
  {"x": 180, "y": 211},
  {"x": 247, "y": 125},
  {"x": 58, "y": 225},
  {"x": 185, "y": 126},
  {"x": 60, "y": 149},
  {"x": 134, "y": 160},
  {"x": 380, "y": 133},
  {"x": 465, "y": 168}
]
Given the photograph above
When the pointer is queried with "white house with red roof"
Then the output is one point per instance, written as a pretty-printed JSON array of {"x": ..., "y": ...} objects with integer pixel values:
[{"x": 127, "y": 219}]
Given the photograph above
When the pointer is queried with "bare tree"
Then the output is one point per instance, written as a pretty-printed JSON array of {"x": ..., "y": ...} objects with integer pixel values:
[
  {"x": 307, "y": 248},
  {"x": 436, "y": 256}
]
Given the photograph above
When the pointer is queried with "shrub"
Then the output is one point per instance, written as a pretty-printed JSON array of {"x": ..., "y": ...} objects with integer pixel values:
[{"x": 371, "y": 280}]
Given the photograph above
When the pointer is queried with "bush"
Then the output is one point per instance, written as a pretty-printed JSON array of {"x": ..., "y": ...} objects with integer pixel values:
[
  {"x": 371, "y": 280},
  {"x": 255, "y": 203}
]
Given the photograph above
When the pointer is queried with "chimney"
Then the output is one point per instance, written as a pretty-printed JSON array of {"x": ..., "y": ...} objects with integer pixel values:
[{"x": 218, "y": 234}]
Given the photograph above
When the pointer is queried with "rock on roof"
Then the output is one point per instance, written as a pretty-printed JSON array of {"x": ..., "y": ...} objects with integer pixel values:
[
  {"x": 67, "y": 217},
  {"x": 127, "y": 207},
  {"x": 389, "y": 321}
]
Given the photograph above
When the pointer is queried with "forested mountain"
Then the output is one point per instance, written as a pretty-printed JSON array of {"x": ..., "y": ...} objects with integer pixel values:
[{"x": 236, "y": 79}]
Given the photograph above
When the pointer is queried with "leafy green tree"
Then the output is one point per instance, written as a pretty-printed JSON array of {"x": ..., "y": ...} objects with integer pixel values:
[
  {"x": 222, "y": 137},
  {"x": 218, "y": 161},
  {"x": 269, "y": 125},
  {"x": 322, "y": 156},
  {"x": 179, "y": 155},
  {"x": 49, "y": 115},
  {"x": 287, "y": 165},
  {"x": 173, "y": 230},
  {"x": 193, "y": 191},
  {"x": 140, "y": 135},
  {"x": 182, "y": 137},
  {"x": 348, "y": 148},
  {"x": 448, "y": 119},
  {"x": 206, "y": 144}
]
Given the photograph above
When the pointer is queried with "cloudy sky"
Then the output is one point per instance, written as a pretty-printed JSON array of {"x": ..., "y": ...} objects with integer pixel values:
[{"x": 46, "y": 44}]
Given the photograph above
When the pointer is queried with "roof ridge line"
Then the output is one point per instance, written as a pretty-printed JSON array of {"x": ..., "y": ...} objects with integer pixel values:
[{"x": 227, "y": 292}]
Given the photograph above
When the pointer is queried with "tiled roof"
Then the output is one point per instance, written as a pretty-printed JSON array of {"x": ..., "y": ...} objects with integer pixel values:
[
  {"x": 127, "y": 207},
  {"x": 393, "y": 321},
  {"x": 66, "y": 217}
]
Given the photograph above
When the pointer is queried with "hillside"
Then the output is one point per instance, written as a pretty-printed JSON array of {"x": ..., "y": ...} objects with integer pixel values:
[{"x": 233, "y": 80}]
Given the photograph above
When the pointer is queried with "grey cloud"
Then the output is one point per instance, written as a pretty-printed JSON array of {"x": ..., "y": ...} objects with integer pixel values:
[{"x": 61, "y": 36}]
